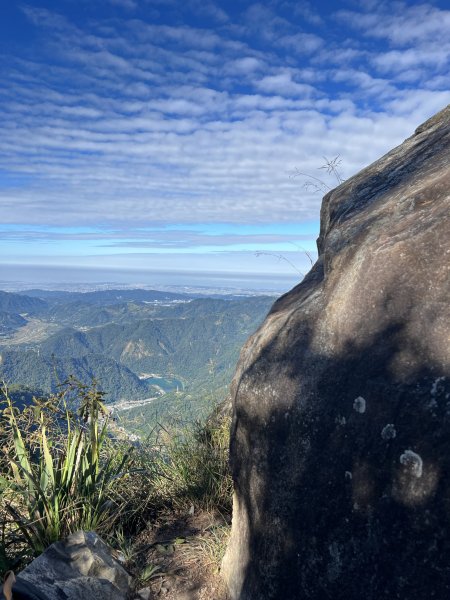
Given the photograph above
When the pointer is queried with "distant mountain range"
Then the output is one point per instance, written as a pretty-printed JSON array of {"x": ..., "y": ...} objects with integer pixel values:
[
  {"x": 19, "y": 303},
  {"x": 106, "y": 297},
  {"x": 136, "y": 343}
]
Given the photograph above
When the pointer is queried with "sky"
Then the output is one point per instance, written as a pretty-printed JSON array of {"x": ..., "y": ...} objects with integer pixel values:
[{"x": 153, "y": 138}]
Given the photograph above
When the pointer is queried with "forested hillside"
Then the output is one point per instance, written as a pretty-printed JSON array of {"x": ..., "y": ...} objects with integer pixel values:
[
  {"x": 10, "y": 322},
  {"x": 46, "y": 372},
  {"x": 136, "y": 349},
  {"x": 18, "y": 303}
]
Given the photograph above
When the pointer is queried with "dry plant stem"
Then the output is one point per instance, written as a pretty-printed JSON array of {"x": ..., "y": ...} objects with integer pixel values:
[
  {"x": 331, "y": 166},
  {"x": 280, "y": 257}
]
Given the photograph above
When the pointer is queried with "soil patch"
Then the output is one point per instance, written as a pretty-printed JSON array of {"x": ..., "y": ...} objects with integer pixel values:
[{"x": 178, "y": 558}]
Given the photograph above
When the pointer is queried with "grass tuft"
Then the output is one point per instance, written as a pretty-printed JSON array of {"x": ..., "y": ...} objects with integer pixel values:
[{"x": 192, "y": 469}]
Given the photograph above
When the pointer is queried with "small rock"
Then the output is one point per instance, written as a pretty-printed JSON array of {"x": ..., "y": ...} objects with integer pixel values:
[
  {"x": 79, "y": 567},
  {"x": 144, "y": 593}
]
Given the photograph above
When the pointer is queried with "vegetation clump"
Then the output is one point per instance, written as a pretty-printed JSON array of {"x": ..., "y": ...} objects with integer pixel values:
[
  {"x": 60, "y": 472},
  {"x": 64, "y": 467}
]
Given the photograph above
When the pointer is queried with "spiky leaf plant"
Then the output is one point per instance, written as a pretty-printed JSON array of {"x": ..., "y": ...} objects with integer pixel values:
[{"x": 62, "y": 471}]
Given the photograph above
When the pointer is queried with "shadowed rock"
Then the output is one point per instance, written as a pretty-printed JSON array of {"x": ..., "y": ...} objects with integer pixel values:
[{"x": 340, "y": 444}]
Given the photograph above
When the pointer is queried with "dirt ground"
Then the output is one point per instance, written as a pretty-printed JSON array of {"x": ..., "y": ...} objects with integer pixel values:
[{"x": 178, "y": 558}]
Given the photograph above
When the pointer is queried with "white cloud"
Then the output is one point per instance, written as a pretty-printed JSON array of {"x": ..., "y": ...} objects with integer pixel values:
[
  {"x": 139, "y": 122},
  {"x": 364, "y": 85},
  {"x": 417, "y": 37},
  {"x": 302, "y": 43},
  {"x": 398, "y": 61},
  {"x": 402, "y": 24},
  {"x": 283, "y": 84},
  {"x": 45, "y": 18},
  {"x": 244, "y": 66}
]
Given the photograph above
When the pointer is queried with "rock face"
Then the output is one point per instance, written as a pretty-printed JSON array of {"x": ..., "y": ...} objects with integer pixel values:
[
  {"x": 340, "y": 444},
  {"x": 79, "y": 568}
]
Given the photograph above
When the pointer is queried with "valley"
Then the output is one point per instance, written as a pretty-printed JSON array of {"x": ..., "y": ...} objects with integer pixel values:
[
  {"x": 153, "y": 354},
  {"x": 33, "y": 331}
]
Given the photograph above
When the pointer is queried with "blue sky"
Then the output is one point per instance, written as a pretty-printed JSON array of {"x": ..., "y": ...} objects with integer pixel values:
[{"x": 162, "y": 135}]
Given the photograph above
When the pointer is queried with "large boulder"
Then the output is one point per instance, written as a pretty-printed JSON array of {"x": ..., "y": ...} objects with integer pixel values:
[
  {"x": 340, "y": 445},
  {"x": 81, "y": 567}
]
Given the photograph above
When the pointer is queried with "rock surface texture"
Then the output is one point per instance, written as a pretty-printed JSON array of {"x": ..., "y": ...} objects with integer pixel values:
[
  {"x": 340, "y": 444},
  {"x": 79, "y": 568}
]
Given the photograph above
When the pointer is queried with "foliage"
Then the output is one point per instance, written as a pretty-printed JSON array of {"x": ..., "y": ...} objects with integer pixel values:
[
  {"x": 192, "y": 468},
  {"x": 212, "y": 547},
  {"x": 61, "y": 470},
  {"x": 67, "y": 465},
  {"x": 177, "y": 470},
  {"x": 65, "y": 471},
  {"x": 47, "y": 371}
]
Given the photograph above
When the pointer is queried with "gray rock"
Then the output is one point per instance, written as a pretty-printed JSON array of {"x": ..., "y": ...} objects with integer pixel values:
[
  {"x": 144, "y": 593},
  {"x": 325, "y": 506},
  {"x": 78, "y": 568}
]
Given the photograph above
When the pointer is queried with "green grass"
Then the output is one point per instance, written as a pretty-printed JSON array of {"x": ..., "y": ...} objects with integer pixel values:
[
  {"x": 62, "y": 470},
  {"x": 192, "y": 468}
]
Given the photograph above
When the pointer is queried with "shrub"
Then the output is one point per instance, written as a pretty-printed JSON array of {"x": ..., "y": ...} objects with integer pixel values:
[
  {"x": 61, "y": 473},
  {"x": 192, "y": 468}
]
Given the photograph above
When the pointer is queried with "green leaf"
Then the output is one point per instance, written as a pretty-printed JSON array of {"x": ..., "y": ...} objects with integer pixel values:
[
  {"x": 165, "y": 549},
  {"x": 47, "y": 467},
  {"x": 149, "y": 572},
  {"x": 179, "y": 540}
]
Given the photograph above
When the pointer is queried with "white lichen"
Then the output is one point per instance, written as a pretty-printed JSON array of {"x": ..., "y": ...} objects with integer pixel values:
[
  {"x": 434, "y": 387},
  {"x": 413, "y": 462},
  {"x": 359, "y": 404},
  {"x": 388, "y": 432},
  {"x": 340, "y": 420}
]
